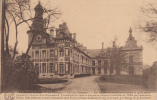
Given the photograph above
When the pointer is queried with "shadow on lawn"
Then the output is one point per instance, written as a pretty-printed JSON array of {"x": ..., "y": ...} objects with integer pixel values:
[
  {"x": 51, "y": 81},
  {"x": 124, "y": 79},
  {"x": 40, "y": 89}
]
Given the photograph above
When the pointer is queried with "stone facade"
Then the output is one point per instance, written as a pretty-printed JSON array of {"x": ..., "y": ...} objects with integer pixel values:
[{"x": 57, "y": 54}]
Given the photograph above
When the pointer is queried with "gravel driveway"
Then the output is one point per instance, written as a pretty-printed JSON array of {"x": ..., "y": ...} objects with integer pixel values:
[{"x": 83, "y": 84}]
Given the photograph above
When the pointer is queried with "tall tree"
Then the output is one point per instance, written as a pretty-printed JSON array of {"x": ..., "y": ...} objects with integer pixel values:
[
  {"x": 150, "y": 26},
  {"x": 19, "y": 12},
  {"x": 116, "y": 59}
]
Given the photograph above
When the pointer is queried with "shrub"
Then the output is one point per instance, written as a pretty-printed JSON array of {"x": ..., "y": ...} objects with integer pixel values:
[
  {"x": 20, "y": 74},
  {"x": 151, "y": 80},
  {"x": 81, "y": 75}
]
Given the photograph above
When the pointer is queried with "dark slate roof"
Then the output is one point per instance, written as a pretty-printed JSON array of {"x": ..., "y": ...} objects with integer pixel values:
[
  {"x": 93, "y": 52},
  {"x": 64, "y": 28},
  {"x": 38, "y": 6}
]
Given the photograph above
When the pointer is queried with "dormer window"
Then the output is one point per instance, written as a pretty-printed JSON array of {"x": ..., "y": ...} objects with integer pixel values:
[
  {"x": 36, "y": 54},
  {"x": 43, "y": 53}
]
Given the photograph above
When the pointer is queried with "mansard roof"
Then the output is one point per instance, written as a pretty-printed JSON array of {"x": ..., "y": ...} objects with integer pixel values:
[
  {"x": 94, "y": 53},
  {"x": 64, "y": 28},
  {"x": 131, "y": 43}
]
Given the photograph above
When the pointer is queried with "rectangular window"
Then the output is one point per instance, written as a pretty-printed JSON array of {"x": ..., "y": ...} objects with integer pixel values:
[
  {"x": 131, "y": 59},
  {"x": 40, "y": 69},
  {"x": 56, "y": 67},
  {"x": 43, "y": 53},
  {"x": 51, "y": 67},
  {"x": 61, "y": 68},
  {"x": 32, "y": 54},
  {"x": 99, "y": 62},
  {"x": 51, "y": 53},
  {"x": 43, "y": 67},
  {"x": 47, "y": 71},
  {"x": 67, "y": 52},
  {"x": 67, "y": 69},
  {"x": 61, "y": 52},
  {"x": 105, "y": 62},
  {"x": 36, "y": 54},
  {"x": 93, "y": 63},
  {"x": 99, "y": 70}
]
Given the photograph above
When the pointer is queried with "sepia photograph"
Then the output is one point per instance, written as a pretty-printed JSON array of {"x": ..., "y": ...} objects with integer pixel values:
[{"x": 78, "y": 46}]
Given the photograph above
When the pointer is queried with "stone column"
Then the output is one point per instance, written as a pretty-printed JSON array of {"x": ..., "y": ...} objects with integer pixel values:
[
  {"x": 102, "y": 70},
  {"x": 58, "y": 68}
]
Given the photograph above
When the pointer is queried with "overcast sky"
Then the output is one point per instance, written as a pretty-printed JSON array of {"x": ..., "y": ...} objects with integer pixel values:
[{"x": 97, "y": 21}]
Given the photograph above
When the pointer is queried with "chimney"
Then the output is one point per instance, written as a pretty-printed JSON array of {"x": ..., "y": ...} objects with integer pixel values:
[
  {"x": 102, "y": 45},
  {"x": 114, "y": 44},
  {"x": 57, "y": 32},
  {"x": 64, "y": 23},
  {"x": 52, "y": 33},
  {"x": 60, "y": 26},
  {"x": 74, "y": 36},
  {"x": 70, "y": 35}
]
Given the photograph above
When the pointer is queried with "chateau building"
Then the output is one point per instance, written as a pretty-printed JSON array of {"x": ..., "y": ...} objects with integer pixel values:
[{"x": 59, "y": 55}]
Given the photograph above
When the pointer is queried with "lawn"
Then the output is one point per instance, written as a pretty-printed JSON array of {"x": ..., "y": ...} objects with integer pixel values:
[
  {"x": 124, "y": 79},
  {"x": 121, "y": 84}
]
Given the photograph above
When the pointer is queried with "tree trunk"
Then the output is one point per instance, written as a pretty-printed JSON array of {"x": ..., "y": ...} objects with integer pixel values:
[
  {"x": 29, "y": 46},
  {"x": 14, "y": 50}
]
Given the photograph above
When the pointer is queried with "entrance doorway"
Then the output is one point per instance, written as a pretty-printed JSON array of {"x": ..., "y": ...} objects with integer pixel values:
[
  {"x": 99, "y": 70},
  {"x": 62, "y": 70},
  {"x": 93, "y": 70}
]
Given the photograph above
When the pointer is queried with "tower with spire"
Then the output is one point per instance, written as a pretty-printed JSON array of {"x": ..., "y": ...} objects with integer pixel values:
[
  {"x": 133, "y": 55},
  {"x": 38, "y": 22},
  {"x": 37, "y": 27},
  {"x": 37, "y": 32},
  {"x": 131, "y": 42}
]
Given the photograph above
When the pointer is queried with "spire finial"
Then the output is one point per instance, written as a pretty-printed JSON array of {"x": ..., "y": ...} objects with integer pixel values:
[
  {"x": 102, "y": 45},
  {"x": 130, "y": 31}
]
